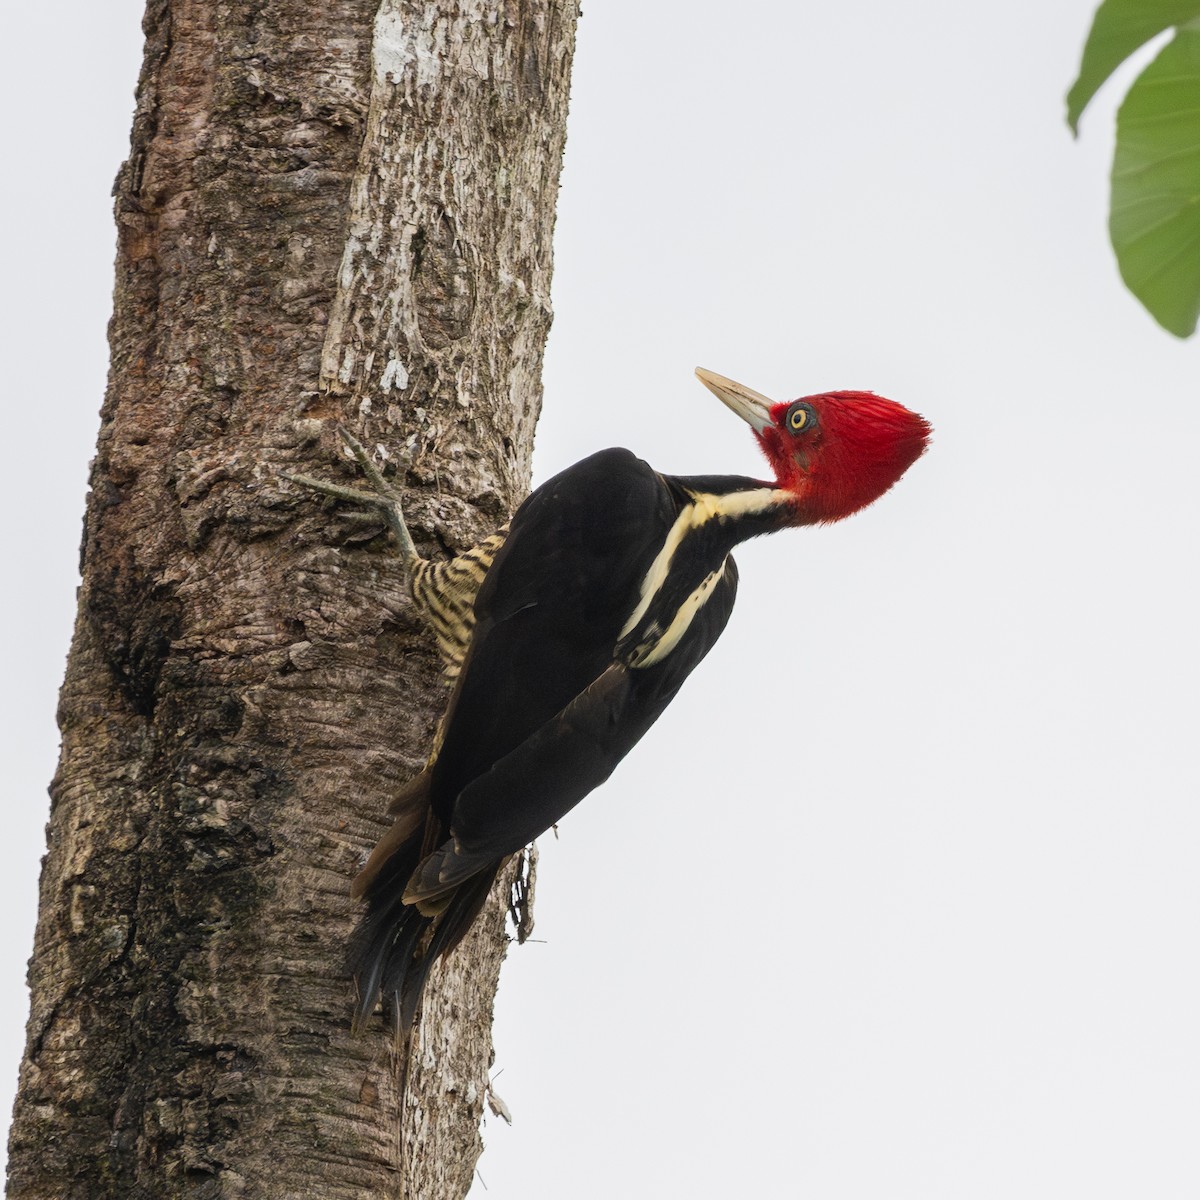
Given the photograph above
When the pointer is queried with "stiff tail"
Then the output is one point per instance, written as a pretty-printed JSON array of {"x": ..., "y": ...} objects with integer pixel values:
[
  {"x": 387, "y": 955},
  {"x": 383, "y": 946},
  {"x": 452, "y": 926}
]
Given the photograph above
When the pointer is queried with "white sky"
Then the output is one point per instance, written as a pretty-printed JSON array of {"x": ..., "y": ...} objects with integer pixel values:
[{"x": 900, "y": 898}]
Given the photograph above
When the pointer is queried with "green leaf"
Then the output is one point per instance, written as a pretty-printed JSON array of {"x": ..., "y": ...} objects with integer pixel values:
[
  {"x": 1154, "y": 220},
  {"x": 1118, "y": 29}
]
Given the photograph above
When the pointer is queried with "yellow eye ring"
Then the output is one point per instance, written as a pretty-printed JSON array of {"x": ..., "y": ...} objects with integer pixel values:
[{"x": 798, "y": 419}]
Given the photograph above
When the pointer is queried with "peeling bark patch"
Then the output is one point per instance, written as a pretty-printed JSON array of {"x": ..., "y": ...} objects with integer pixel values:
[
  {"x": 390, "y": 52},
  {"x": 395, "y": 376}
]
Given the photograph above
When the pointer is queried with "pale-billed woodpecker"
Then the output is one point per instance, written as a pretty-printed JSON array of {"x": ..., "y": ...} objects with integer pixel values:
[{"x": 567, "y": 634}]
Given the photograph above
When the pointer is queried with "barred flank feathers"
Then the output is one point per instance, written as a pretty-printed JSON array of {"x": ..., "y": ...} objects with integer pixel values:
[{"x": 445, "y": 593}]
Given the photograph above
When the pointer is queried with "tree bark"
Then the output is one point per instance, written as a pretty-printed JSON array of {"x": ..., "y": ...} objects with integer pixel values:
[{"x": 329, "y": 214}]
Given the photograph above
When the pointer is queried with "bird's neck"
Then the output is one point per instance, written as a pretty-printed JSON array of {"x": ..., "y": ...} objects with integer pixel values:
[
  {"x": 737, "y": 506},
  {"x": 713, "y": 513}
]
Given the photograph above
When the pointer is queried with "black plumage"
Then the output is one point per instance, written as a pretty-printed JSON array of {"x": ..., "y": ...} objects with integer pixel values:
[{"x": 551, "y": 695}]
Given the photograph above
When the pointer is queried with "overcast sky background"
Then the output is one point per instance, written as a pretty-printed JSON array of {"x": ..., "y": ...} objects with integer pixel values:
[{"x": 900, "y": 898}]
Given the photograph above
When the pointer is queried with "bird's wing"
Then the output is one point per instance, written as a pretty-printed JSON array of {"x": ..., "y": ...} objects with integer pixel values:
[
  {"x": 550, "y": 610},
  {"x": 562, "y": 760},
  {"x": 574, "y": 549}
]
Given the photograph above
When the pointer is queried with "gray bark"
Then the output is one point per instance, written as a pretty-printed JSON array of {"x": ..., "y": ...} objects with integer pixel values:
[{"x": 329, "y": 214}]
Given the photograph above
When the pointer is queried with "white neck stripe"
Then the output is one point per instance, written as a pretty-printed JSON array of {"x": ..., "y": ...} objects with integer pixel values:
[{"x": 705, "y": 507}]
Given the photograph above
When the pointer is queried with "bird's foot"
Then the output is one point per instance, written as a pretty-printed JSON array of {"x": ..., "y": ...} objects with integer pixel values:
[{"x": 383, "y": 498}]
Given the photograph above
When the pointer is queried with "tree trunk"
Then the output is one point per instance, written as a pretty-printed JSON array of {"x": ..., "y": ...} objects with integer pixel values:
[{"x": 329, "y": 214}]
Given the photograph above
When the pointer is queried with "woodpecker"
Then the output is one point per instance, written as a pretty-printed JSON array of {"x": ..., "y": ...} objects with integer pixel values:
[{"x": 568, "y": 633}]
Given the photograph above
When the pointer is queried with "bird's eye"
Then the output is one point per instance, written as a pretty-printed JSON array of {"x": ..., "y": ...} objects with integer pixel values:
[{"x": 800, "y": 417}]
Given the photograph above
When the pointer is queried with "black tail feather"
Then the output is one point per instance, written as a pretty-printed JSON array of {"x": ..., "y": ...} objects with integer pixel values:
[
  {"x": 386, "y": 956},
  {"x": 388, "y": 933},
  {"x": 382, "y": 951},
  {"x": 452, "y": 927}
]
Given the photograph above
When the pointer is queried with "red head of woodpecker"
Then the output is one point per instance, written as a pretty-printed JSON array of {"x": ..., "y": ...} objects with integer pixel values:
[{"x": 835, "y": 452}]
